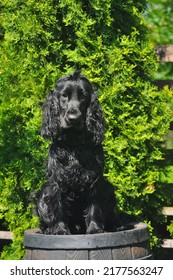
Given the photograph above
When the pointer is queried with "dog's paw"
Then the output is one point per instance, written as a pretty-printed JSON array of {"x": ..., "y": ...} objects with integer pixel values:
[
  {"x": 94, "y": 228},
  {"x": 47, "y": 231},
  {"x": 61, "y": 229}
]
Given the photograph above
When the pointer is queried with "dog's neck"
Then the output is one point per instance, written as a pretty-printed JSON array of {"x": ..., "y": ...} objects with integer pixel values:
[{"x": 72, "y": 137}]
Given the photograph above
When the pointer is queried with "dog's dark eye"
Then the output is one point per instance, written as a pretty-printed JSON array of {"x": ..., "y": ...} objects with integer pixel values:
[
  {"x": 64, "y": 95},
  {"x": 82, "y": 95}
]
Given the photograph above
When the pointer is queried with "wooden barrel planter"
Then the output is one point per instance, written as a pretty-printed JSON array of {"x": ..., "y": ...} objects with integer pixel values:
[{"x": 130, "y": 244}]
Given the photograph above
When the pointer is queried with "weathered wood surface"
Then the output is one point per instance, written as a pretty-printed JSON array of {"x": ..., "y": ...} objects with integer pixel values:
[
  {"x": 167, "y": 243},
  {"x": 128, "y": 244},
  {"x": 33, "y": 238},
  {"x": 6, "y": 235},
  {"x": 162, "y": 83},
  {"x": 168, "y": 211},
  {"x": 165, "y": 53}
]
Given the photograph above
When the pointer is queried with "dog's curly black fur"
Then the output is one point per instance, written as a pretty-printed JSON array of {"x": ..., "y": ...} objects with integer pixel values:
[{"x": 76, "y": 197}]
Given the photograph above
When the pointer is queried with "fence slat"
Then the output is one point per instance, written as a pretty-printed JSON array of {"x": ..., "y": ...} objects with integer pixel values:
[
  {"x": 6, "y": 235},
  {"x": 162, "y": 83},
  {"x": 168, "y": 211},
  {"x": 165, "y": 53}
]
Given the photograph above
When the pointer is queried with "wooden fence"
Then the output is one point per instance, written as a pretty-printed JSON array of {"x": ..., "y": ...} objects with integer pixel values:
[{"x": 165, "y": 54}]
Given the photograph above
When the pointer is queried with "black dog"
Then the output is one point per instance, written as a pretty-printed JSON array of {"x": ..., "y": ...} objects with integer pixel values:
[{"x": 76, "y": 198}]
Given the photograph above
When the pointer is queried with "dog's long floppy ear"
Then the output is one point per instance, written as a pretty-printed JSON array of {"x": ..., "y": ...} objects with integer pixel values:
[
  {"x": 95, "y": 120},
  {"x": 51, "y": 121}
]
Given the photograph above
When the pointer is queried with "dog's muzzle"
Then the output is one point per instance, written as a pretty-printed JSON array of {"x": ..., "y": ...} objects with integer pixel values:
[{"x": 73, "y": 117}]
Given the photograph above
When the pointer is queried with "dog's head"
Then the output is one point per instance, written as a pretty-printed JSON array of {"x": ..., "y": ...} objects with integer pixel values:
[{"x": 73, "y": 105}]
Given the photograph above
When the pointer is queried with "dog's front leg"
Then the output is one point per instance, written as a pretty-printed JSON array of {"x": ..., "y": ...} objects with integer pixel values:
[
  {"x": 94, "y": 219},
  {"x": 60, "y": 225},
  {"x": 53, "y": 217},
  {"x": 60, "y": 229}
]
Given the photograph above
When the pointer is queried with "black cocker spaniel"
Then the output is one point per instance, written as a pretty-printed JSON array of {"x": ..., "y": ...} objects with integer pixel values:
[{"x": 76, "y": 197}]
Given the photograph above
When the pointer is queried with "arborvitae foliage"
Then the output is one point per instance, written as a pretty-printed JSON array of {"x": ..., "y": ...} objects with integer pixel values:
[
  {"x": 42, "y": 40},
  {"x": 160, "y": 21}
]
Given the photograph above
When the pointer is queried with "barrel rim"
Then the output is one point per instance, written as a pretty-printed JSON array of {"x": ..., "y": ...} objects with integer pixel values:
[{"x": 33, "y": 238}]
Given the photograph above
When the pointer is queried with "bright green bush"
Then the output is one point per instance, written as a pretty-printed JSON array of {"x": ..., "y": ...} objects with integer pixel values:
[
  {"x": 42, "y": 40},
  {"x": 159, "y": 21}
]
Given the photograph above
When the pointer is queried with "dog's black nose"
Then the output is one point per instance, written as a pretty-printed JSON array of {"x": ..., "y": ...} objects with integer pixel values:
[{"x": 73, "y": 114}]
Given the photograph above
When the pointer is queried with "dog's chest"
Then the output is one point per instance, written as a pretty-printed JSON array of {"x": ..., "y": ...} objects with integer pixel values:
[
  {"x": 77, "y": 158},
  {"x": 76, "y": 167},
  {"x": 80, "y": 156}
]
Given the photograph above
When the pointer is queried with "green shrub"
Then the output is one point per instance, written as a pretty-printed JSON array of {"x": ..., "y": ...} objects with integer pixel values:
[
  {"x": 42, "y": 40},
  {"x": 170, "y": 228},
  {"x": 159, "y": 20}
]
